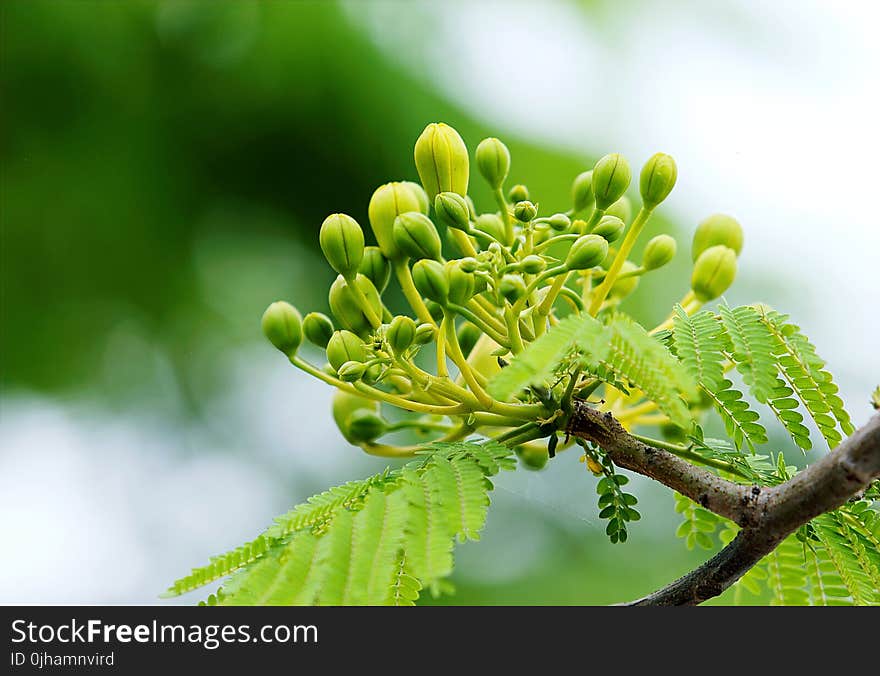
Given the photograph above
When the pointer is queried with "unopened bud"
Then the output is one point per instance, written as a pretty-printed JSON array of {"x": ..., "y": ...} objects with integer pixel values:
[
  {"x": 512, "y": 287},
  {"x": 624, "y": 287},
  {"x": 429, "y": 278},
  {"x": 586, "y": 252},
  {"x": 342, "y": 242},
  {"x": 386, "y": 204},
  {"x": 518, "y": 193},
  {"x": 365, "y": 426},
  {"x": 609, "y": 228},
  {"x": 559, "y": 222},
  {"x": 424, "y": 334},
  {"x": 401, "y": 333},
  {"x": 468, "y": 264},
  {"x": 461, "y": 283},
  {"x": 452, "y": 211},
  {"x": 714, "y": 272},
  {"x": 282, "y": 325},
  {"x": 582, "y": 191},
  {"x": 468, "y": 334},
  {"x": 442, "y": 160},
  {"x": 493, "y": 161},
  {"x": 622, "y": 208},
  {"x": 346, "y": 308},
  {"x": 611, "y": 178},
  {"x": 318, "y": 329},
  {"x": 532, "y": 264},
  {"x": 416, "y": 236},
  {"x": 421, "y": 196},
  {"x": 714, "y": 230},
  {"x": 375, "y": 267},
  {"x": 351, "y": 371},
  {"x": 345, "y": 404},
  {"x": 525, "y": 211},
  {"x": 492, "y": 225},
  {"x": 658, "y": 252},
  {"x": 344, "y": 346},
  {"x": 657, "y": 179}
]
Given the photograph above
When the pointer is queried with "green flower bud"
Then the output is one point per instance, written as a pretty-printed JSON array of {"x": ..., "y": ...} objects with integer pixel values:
[
  {"x": 582, "y": 192},
  {"x": 461, "y": 283},
  {"x": 347, "y": 310},
  {"x": 532, "y": 264},
  {"x": 586, "y": 252},
  {"x": 468, "y": 335},
  {"x": 492, "y": 225},
  {"x": 518, "y": 193},
  {"x": 610, "y": 228},
  {"x": 345, "y": 405},
  {"x": 318, "y": 329},
  {"x": 611, "y": 177},
  {"x": 493, "y": 161},
  {"x": 658, "y": 252},
  {"x": 525, "y": 211},
  {"x": 512, "y": 287},
  {"x": 657, "y": 179},
  {"x": 559, "y": 222},
  {"x": 468, "y": 264},
  {"x": 624, "y": 287},
  {"x": 282, "y": 325},
  {"x": 345, "y": 346},
  {"x": 714, "y": 272},
  {"x": 365, "y": 426},
  {"x": 442, "y": 160},
  {"x": 424, "y": 334},
  {"x": 342, "y": 242},
  {"x": 416, "y": 236},
  {"x": 386, "y": 204},
  {"x": 430, "y": 280},
  {"x": 532, "y": 457},
  {"x": 452, "y": 210},
  {"x": 401, "y": 333},
  {"x": 376, "y": 268},
  {"x": 717, "y": 229},
  {"x": 351, "y": 371},
  {"x": 421, "y": 196},
  {"x": 622, "y": 208}
]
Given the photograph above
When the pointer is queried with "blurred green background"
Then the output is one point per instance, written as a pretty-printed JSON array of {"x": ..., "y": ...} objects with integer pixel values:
[{"x": 165, "y": 169}]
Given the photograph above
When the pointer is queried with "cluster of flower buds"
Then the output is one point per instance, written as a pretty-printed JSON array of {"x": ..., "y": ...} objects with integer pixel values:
[{"x": 480, "y": 286}]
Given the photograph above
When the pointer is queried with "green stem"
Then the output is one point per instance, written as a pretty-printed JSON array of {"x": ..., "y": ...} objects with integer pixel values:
[
  {"x": 686, "y": 453},
  {"x": 480, "y": 324},
  {"x": 404, "y": 277},
  {"x": 635, "y": 230},
  {"x": 364, "y": 304},
  {"x": 505, "y": 214}
]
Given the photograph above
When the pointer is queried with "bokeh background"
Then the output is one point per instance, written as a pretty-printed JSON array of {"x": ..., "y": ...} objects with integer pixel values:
[{"x": 165, "y": 170}]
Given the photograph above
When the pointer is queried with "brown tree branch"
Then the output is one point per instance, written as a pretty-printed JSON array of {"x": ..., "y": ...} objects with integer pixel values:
[{"x": 767, "y": 515}]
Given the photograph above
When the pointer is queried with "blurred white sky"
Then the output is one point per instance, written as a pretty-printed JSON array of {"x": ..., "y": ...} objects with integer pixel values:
[{"x": 770, "y": 109}]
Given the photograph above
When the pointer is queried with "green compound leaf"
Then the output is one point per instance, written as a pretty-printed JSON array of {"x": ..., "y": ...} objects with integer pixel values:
[
  {"x": 803, "y": 371},
  {"x": 699, "y": 342},
  {"x": 374, "y": 542},
  {"x": 644, "y": 362},
  {"x": 542, "y": 358},
  {"x": 753, "y": 350}
]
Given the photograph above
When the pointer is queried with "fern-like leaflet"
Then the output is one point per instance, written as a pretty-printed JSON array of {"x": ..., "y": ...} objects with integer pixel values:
[
  {"x": 699, "y": 342},
  {"x": 803, "y": 371},
  {"x": 644, "y": 362},
  {"x": 373, "y": 542}
]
